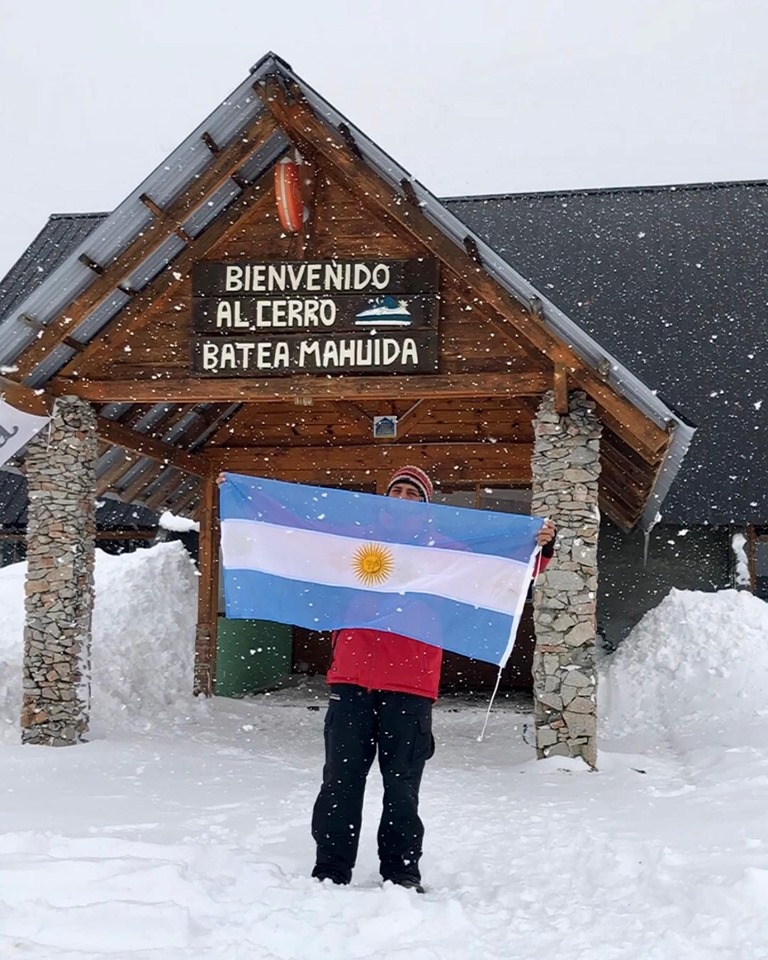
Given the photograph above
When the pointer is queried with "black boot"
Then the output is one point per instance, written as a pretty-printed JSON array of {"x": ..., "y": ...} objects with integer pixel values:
[{"x": 410, "y": 883}]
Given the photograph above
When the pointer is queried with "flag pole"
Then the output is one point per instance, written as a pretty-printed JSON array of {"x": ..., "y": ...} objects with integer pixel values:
[
  {"x": 536, "y": 564},
  {"x": 488, "y": 712}
]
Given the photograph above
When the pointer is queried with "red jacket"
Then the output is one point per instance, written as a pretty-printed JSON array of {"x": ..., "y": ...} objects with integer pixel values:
[
  {"x": 385, "y": 661},
  {"x": 388, "y": 661}
]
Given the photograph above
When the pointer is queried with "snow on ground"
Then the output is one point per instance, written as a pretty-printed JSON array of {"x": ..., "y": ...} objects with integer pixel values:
[
  {"x": 181, "y": 830},
  {"x": 694, "y": 668}
]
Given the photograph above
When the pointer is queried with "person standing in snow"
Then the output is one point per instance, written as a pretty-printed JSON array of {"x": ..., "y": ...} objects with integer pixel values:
[{"x": 382, "y": 687}]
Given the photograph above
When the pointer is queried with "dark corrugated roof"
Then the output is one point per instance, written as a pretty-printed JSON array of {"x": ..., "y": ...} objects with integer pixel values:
[
  {"x": 673, "y": 282},
  {"x": 110, "y": 513},
  {"x": 61, "y": 234}
]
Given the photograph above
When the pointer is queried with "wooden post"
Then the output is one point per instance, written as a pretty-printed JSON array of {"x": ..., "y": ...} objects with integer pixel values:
[
  {"x": 751, "y": 550},
  {"x": 561, "y": 390},
  {"x": 208, "y": 595}
]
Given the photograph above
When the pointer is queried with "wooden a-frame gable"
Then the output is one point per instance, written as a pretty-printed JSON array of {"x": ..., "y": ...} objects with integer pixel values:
[{"x": 469, "y": 422}]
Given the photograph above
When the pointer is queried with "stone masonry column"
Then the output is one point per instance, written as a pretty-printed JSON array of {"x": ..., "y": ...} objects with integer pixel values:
[
  {"x": 566, "y": 465},
  {"x": 59, "y": 590}
]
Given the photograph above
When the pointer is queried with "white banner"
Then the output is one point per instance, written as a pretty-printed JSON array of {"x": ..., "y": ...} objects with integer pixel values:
[{"x": 16, "y": 429}]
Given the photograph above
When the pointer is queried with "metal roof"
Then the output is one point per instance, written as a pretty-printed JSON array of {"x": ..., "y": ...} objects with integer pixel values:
[
  {"x": 110, "y": 513},
  {"x": 61, "y": 234},
  {"x": 177, "y": 174},
  {"x": 672, "y": 281}
]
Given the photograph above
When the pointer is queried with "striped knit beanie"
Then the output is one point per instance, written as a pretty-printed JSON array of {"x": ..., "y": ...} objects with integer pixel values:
[{"x": 416, "y": 477}]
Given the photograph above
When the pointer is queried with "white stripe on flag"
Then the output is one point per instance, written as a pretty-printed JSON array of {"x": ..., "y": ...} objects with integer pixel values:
[{"x": 495, "y": 583}]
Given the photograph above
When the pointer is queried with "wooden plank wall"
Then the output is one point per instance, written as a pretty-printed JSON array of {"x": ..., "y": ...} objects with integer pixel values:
[
  {"x": 471, "y": 336},
  {"x": 342, "y": 228}
]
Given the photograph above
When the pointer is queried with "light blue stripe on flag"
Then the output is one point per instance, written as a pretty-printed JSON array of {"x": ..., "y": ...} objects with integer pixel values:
[{"x": 328, "y": 559}]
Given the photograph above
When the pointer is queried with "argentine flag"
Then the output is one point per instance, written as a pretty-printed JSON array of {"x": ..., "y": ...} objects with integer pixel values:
[{"x": 329, "y": 559}]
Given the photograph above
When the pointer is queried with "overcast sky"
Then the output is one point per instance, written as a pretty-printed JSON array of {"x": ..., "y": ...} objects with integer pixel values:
[{"x": 482, "y": 96}]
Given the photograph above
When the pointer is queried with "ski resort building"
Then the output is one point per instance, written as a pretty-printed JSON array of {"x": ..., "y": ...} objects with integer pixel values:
[{"x": 280, "y": 298}]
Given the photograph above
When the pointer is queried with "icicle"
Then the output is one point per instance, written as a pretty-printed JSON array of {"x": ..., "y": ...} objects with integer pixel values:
[{"x": 647, "y": 536}]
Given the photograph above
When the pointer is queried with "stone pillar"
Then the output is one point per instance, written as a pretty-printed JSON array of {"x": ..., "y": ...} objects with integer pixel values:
[
  {"x": 566, "y": 465},
  {"x": 61, "y": 536}
]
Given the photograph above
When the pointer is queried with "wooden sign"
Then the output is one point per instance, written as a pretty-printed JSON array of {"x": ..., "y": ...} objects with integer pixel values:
[
  {"x": 323, "y": 316},
  {"x": 319, "y": 315},
  {"x": 313, "y": 277},
  {"x": 393, "y": 352}
]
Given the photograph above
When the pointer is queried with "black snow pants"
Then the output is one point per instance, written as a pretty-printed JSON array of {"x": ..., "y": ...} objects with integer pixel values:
[{"x": 357, "y": 723}]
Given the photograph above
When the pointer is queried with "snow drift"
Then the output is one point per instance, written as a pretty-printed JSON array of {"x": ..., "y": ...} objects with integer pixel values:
[
  {"x": 694, "y": 665},
  {"x": 142, "y": 653}
]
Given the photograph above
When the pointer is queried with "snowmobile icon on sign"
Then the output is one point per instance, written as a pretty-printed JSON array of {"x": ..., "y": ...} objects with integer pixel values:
[{"x": 385, "y": 312}]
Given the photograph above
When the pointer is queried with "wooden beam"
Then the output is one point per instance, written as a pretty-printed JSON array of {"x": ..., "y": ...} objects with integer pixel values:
[
  {"x": 208, "y": 592},
  {"x": 123, "y": 463},
  {"x": 560, "y": 388},
  {"x": 210, "y": 143},
  {"x": 629, "y": 464},
  {"x": 349, "y": 140},
  {"x": 136, "y": 491},
  {"x": 354, "y": 414},
  {"x": 310, "y": 132},
  {"x": 470, "y": 245},
  {"x": 162, "y": 217},
  {"x": 187, "y": 390},
  {"x": 148, "y": 473},
  {"x": 618, "y": 506},
  {"x": 121, "y": 436},
  {"x": 25, "y": 398},
  {"x": 752, "y": 540},
  {"x": 31, "y": 322},
  {"x": 112, "y": 475},
  {"x": 123, "y": 325},
  {"x": 150, "y": 238},
  {"x": 615, "y": 513},
  {"x": 164, "y": 489},
  {"x": 135, "y": 413},
  {"x": 653, "y": 454},
  {"x": 418, "y": 413},
  {"x": 91, "y": 263},
  {"x": 185, "y": 497},
  {"x": 410, "y": 193},
  {"x": 480, "y": 462}
]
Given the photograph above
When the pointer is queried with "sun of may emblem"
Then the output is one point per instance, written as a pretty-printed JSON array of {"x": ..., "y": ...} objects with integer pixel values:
[{"x": 373, "y": 563}]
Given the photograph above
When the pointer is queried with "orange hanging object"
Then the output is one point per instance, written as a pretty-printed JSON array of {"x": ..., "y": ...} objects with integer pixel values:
[{"x": 290, "y": 206}]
